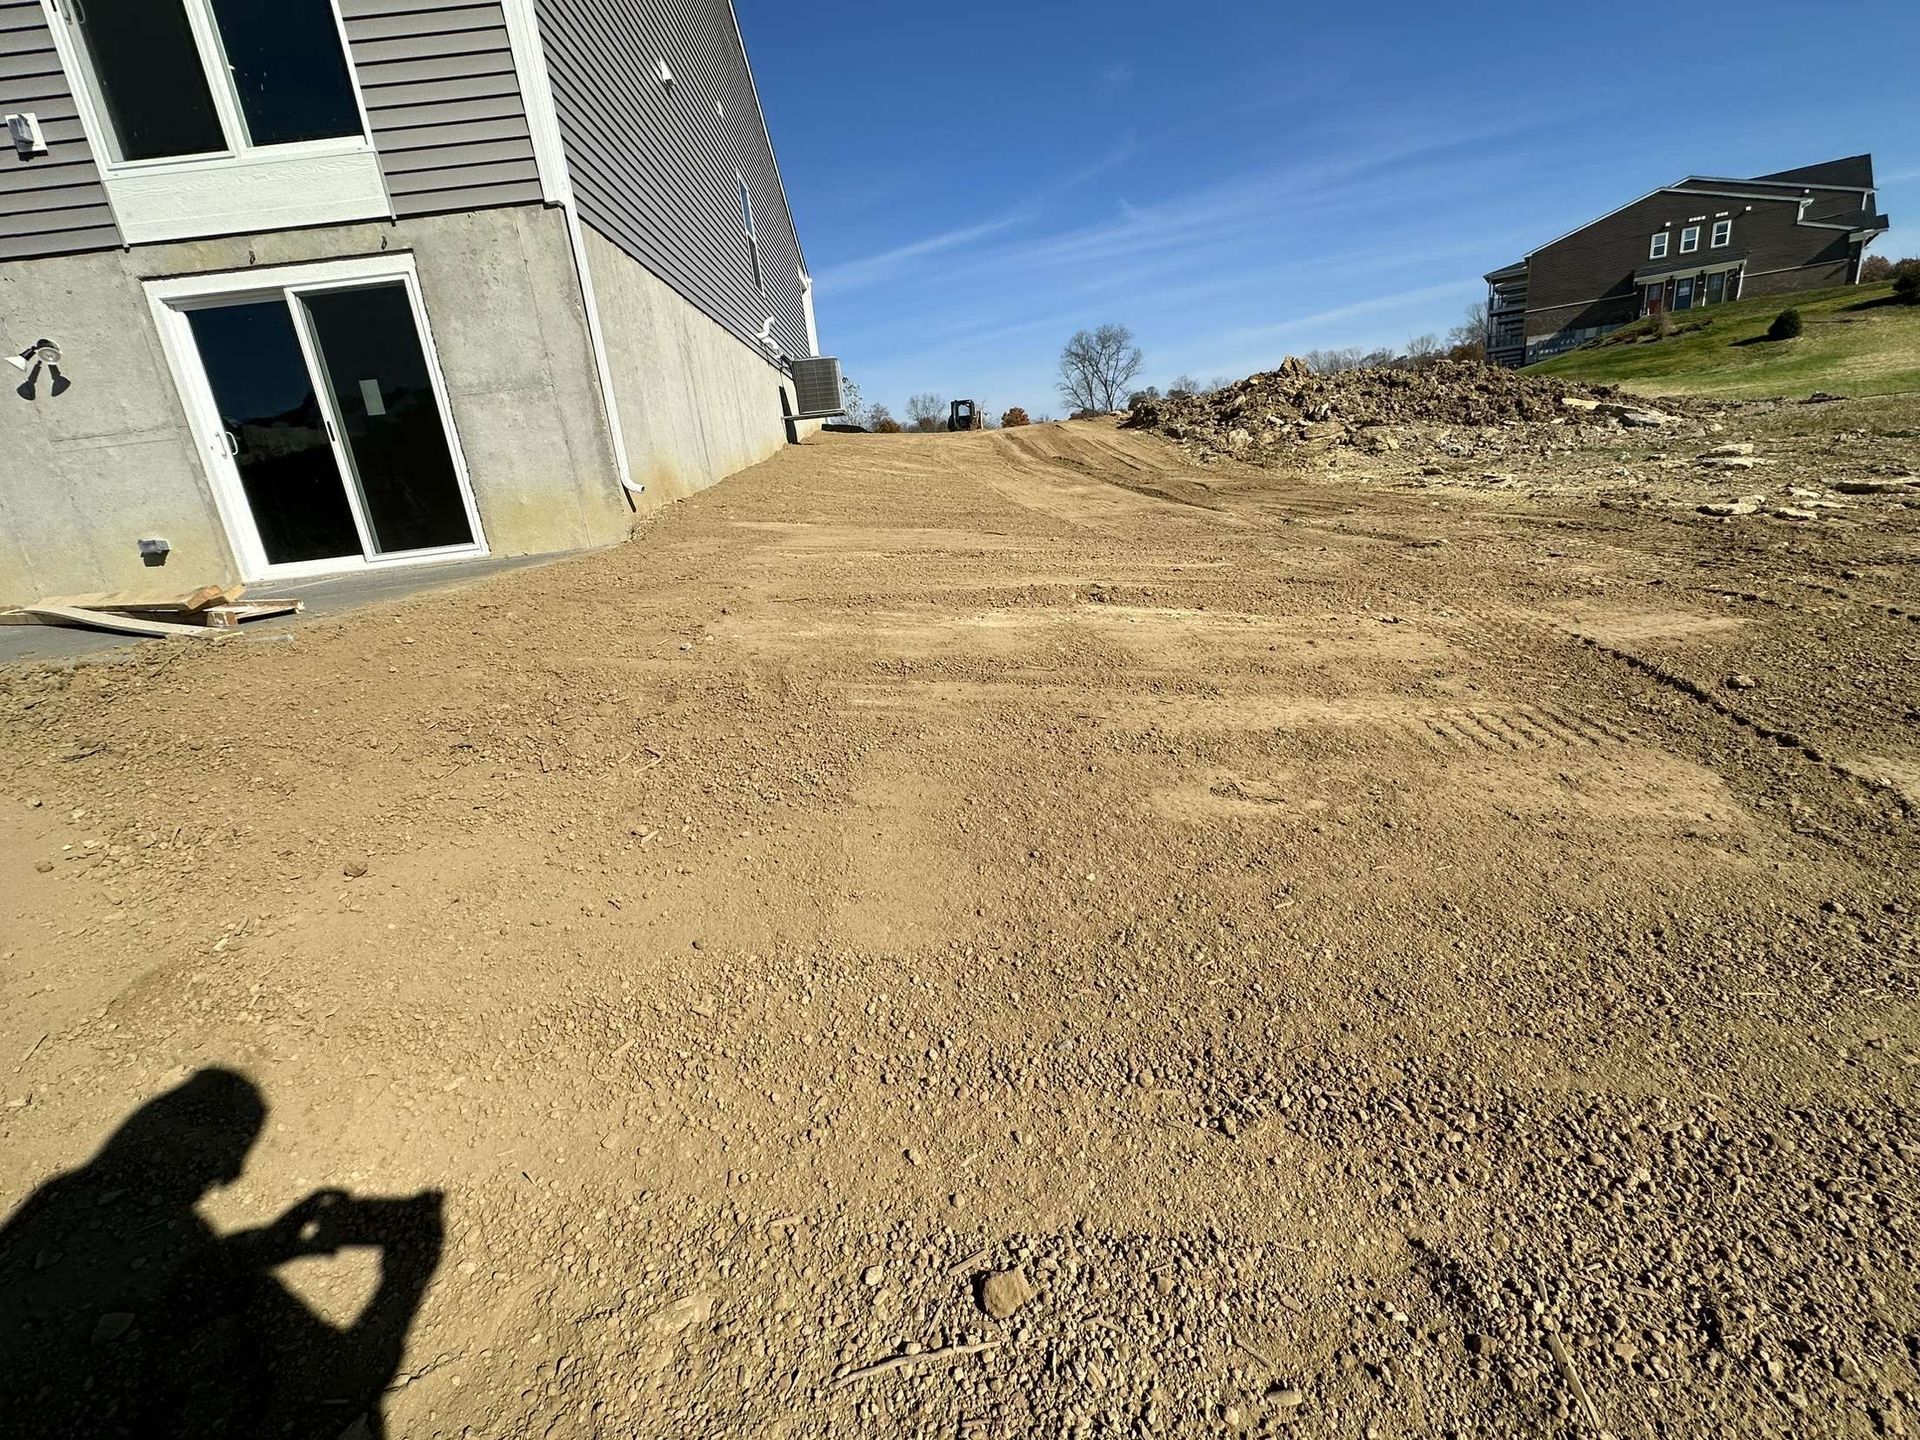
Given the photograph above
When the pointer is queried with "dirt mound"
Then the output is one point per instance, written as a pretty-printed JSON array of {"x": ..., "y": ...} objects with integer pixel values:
[{"x": 1293, "y": 406}]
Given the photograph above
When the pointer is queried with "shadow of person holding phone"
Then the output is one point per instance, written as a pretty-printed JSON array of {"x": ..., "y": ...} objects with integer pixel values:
[{"x": 122, "y": 1312}]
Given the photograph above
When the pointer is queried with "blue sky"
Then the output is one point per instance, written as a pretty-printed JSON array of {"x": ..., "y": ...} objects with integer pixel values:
[{"x": 1240, "y": 181}]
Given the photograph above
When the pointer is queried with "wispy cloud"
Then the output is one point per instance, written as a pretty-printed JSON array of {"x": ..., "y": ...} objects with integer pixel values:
[
  {"x": 1119, "y": 73},
  {"x": 1375, "y": 305},
  {"x": 854, "y": 274},
  {"x": 870, "y": 270}
]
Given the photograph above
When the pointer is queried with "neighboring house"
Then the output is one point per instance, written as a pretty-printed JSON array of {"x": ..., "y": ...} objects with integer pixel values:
[
  {"x": 337, "y": 284},
  {"x": 1702, "y": 241}
]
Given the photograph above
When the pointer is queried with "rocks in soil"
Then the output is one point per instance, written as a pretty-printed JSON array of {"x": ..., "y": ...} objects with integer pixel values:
[
  {"x": 1745, "y": 505},
  {"x": 1005, "y": 1291},
  {"x": 1292, "y": 406},
  {"x": 1899, "y": 485}
]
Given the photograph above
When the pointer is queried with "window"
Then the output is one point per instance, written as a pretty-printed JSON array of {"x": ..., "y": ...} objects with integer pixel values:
[
  {"x": 177, "y": 78},
  {"x": 1722, "y": 233},
  {"x": 1659, "y": 248},
  {"x": 753, "y": 238},
  {"x": 1689, "y": 239}
]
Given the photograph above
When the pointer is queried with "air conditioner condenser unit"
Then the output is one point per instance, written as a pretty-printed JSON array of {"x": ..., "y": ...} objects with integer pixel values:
[{"x": 816, "y": 385}]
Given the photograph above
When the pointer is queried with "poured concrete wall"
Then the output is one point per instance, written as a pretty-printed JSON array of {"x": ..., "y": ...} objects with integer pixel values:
[
  {"x": 696, "y": 405},
  {"x": 85, "y": 474}
]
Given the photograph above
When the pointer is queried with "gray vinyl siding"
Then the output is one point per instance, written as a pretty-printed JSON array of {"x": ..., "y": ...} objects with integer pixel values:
[
  {"x": 654, "y": 167},
  {"x": 441, "y": 93},
  {"x": 444, "y": 103},
  {"x": 51, "y": 204}
]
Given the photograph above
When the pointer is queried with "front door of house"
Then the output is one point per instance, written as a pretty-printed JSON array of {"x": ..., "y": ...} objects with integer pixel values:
[{"x": 328, "y": 437}]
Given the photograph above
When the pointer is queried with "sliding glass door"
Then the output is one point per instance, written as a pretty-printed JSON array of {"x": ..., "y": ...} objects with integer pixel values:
[
  {"x": 394, "y": 438},
  {"x": 329, "y": 442},
  {"x": 274, "y": 431}
]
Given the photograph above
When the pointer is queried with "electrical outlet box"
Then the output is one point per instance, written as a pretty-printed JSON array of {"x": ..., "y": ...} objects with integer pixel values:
[{"x": 24, "y": 131}]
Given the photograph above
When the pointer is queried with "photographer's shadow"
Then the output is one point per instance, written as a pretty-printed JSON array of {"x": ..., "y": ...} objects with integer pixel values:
[{"x": 123, "y": 1313}]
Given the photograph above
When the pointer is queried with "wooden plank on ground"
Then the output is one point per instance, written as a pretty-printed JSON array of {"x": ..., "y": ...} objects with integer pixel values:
[
  {"x": 117, "y": 624},
  {"x": 230, "y": 617},
  {"x": 207, "y": 596}
]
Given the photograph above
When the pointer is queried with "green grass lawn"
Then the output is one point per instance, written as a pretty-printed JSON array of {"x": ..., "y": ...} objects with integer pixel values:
[{"x": 1852, "y": 345}]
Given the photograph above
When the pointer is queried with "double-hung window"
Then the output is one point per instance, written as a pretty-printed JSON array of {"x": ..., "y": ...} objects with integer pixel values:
[
  {"x": 1722, "y": 234},
  {"x": 753, "y": 236},
  {"x": 256, "y": 92},
  {"x": 1658, "y": 250},
  {"x": 1689, "y": 239}
]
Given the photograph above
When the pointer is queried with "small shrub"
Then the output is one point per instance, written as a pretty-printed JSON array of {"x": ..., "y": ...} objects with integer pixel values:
[
  {"x": 1014, "y": 418},
  {"x": 887, "y": 425},
  {"x": 1906, "y": 286},
  {"x": 1786, "y": 325}
]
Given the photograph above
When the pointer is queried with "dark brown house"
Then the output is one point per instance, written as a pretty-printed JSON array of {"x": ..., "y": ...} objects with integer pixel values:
[{"x": 1702, "y": 241}]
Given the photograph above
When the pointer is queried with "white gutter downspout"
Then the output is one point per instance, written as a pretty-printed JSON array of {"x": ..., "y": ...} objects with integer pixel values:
[{"x": 556, "y": 188}]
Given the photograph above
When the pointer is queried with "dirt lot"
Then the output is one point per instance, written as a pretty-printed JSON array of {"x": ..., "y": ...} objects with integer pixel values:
[{"x": 1417, "y": 944}]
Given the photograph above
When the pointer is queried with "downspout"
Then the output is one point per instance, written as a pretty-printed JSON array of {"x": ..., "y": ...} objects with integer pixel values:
[
  {"x": 597, "y": 341},
  {"x": 556, "y": 189}
]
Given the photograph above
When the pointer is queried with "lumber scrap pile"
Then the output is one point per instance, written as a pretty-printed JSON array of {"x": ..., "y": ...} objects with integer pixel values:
[{"x": 206, "y": 614}]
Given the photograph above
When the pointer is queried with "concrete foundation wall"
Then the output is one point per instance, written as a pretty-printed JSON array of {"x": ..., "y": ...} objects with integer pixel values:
[
  {"x": 85, "y": 474},
  {"x": 696, "y": 405}
]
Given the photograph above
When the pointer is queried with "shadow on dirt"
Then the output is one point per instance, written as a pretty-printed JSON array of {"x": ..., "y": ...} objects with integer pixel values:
[{"x": 123, "y": 1313}]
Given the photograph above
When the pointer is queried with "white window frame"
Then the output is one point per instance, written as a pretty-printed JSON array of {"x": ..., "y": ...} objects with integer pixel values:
[
  {"x": 1722, "y": 234},
  {"x": 170, "y": 301},
  {"x": 753, "y": 232},
  {"x": 1690, "y": 240},
  {"x": 241, "y": 188},
  {"x": 1657, "y": 247}
]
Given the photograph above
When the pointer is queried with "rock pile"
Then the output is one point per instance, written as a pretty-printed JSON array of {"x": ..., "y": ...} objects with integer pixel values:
[{"x": 1294, "y": 406}]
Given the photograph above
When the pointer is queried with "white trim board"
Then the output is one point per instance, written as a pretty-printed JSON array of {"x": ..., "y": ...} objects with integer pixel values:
[
  {"x": 170, "y": 299},
  {"x": 773, "y": 156},
  {"x": 536, "y": 99},
  {"x": 239, "y": 195},
  {"x": 556, "y": 188}
]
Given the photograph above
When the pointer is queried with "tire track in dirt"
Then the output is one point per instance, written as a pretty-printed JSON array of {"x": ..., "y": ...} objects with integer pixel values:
[{"x": 1524, "y": 633}]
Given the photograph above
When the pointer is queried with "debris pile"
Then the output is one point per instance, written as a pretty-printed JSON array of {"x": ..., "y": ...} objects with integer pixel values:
[{"x": 1293, "y": 406}]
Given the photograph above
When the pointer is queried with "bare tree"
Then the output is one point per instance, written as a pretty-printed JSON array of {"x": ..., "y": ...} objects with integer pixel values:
[
  {"x": 927, "y": 411},
  {"x": 1335, "y": 362},
  {"x": 1097, "y": 366},
  {"x": 1422, "y": 351},
  {"x": 1471, "y": 332},
  {"x": 880, "y": 420},
  {"x": 850, "y": 398},
  {"x": 1182, "y": 387}
]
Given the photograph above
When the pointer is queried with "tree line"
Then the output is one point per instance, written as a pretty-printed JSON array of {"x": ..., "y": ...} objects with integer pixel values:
[{"x": 1098, "y": 369}]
